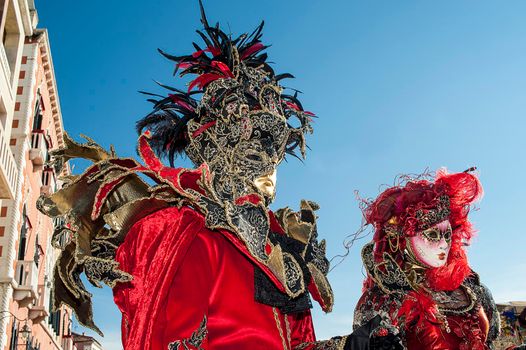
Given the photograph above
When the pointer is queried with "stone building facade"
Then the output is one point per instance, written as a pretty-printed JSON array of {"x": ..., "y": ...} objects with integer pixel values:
[{"x": 30, "y": 125}]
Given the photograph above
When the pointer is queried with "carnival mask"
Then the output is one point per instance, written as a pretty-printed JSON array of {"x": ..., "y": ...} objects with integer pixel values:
[
  {"x": 431, "y": 247},
  {"x": 241, "y": 128},
  {"x": 242, "y": 147}
]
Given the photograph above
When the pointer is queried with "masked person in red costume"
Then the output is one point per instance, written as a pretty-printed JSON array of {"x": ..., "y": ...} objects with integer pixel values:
[
  {"x": 417, "y": 270},
  {"x": 196, "y": 260}
]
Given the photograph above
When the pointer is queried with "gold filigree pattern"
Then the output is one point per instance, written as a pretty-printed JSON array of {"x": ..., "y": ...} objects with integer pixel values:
[
  {"x": 194, "y": 342},
  {"x": 280, "y": 329}
]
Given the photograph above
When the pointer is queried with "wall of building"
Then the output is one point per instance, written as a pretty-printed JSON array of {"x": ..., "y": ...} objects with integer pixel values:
[{"x": 30, "y": 125}]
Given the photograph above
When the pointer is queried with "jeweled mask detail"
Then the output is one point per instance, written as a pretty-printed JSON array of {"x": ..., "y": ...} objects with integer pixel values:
[
  {"x": 429, "y": 217},
  {"x": 241, "y": 126}
]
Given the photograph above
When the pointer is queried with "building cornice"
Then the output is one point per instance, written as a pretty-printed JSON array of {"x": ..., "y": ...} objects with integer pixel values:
[{"x": 49, "y": 73}]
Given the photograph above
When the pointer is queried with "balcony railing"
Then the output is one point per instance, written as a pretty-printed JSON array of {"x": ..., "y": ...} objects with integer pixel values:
[
  {"x": 7, "y": 168},
  {"x": 26, "y": 277},
  {"x": 38, "y": 151}
]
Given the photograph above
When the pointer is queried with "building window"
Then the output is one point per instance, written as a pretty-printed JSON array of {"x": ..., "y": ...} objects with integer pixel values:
[
  {"x": 14, "y": 336},
  {"x": 48, "y": 176},
  {"x": 23, "y": 236},
  {"x": 54, "y": 321},
  {"x": 54, "y": 317},
  {"x": 41, "y": 100},
  {"x": 58, "y": 323},
  {"x": 37, "y": 116},
  {"x": 45, "y": 178},
  {"x": 50, "y": 306}
]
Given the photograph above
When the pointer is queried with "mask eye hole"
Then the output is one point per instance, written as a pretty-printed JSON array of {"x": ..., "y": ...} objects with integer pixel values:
[
  {"x": 254, "y": 157},
  {"x": 447, "y": 235},
  {"x": 269, "y": 147},
  {"x": 432, "y": 235}
]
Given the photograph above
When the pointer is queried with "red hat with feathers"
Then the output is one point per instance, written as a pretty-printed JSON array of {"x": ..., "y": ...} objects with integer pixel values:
[{"x": 420, "y": 203}]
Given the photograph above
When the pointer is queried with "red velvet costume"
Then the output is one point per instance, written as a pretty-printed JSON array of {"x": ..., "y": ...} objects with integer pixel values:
[
  {"x": 192, "y": 273},
  {"x": 434, "y": 308},
  {"x": 178, "y": 283},
  {"x": 468, "y": 331}
]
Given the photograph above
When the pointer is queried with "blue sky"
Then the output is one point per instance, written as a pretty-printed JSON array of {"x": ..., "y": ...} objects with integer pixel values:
[{"x": 399, "y": 86}]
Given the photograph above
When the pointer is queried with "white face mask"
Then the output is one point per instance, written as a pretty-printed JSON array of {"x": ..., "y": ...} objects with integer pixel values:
[{"x": 431, "y": 247}]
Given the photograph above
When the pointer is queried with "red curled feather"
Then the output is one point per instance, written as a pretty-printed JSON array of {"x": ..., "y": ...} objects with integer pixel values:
[
  {"x": 203, "y": 79},
  {"x": 181, "y": 103},
  {"x": 213, "y": 50},
  {"x": 292, "y": 106},
  {"x": 184, "y": 65},
  {"x": 223, "y": 68},
  {"x": 198, "y": 53},
  {"x": 252, "y": 49}
]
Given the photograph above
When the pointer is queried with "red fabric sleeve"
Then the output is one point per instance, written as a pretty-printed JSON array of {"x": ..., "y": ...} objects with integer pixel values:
[
  {"x": 152, "y": 252},
  {"x": 302, "y": 329},
  {"x": 185, "y": 314}
]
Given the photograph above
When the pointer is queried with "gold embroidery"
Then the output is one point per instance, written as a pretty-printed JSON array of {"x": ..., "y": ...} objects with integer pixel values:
[
  {"x": 287, "y": 327},
  {"x": 280, "y": 329}
]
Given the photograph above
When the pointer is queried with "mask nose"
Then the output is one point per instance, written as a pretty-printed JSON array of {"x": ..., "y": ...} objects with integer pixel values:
[{"x": 444, "y": 245}]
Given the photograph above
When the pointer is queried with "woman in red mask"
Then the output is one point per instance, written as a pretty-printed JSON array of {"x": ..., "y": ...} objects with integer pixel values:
[{"x": 417, "y": 270}]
